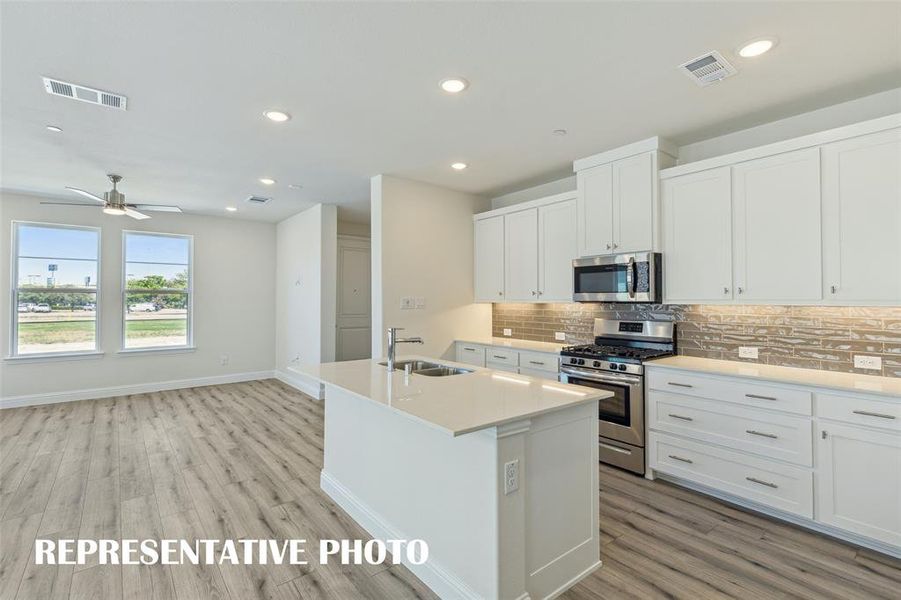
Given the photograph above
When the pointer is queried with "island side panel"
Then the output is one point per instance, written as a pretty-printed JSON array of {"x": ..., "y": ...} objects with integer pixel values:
[{"x": 400, "y": 478}]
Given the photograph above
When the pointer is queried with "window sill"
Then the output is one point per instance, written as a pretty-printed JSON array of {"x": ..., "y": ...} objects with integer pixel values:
[
  {"x": 157, "y": 350},
  {"x": 54, "y": 357}
]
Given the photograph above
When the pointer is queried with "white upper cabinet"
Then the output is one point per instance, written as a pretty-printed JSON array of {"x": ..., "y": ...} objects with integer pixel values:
[
  {"x": 521, "y": 256},
  {"x": 557, "y": 248},
  {"x": 489, "y": 259},
  {"x": 697, "y": 237},
  {"x": 776, "y": 228},
  {"x": 595, "y": 225},
  {"x": 862, "y": 218},
  {"x": 633, "y": 203}
]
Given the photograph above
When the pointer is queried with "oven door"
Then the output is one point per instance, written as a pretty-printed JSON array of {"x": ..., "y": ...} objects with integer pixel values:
[
  {"x": 621, "y": 417},
  {"x": 617, "y": 278}
]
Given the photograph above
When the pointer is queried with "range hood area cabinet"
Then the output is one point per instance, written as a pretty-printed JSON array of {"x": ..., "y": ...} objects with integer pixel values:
[
  {"x": 524, "y": 253},
  {"x": 618, "y": 207},
  {"x": 814, "y": 220}
]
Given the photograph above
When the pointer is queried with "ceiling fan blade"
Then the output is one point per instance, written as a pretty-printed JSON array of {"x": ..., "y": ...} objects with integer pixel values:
[
  {"x": 135, "y": 214},
  {"x": 71, "y": 204},
  {"x": 86, "y": 194},
  {"x": 157, "y": 207}
]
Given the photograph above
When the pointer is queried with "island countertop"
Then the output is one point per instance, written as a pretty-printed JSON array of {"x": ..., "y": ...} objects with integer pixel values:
[{"x": 456, "y": 404}]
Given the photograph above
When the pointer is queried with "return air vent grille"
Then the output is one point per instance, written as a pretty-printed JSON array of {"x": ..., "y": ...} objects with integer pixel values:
[
  {"x": 84, "y": 94},
  {"x": 258, "y": 200},
  {"x": 708, "y": 68}
]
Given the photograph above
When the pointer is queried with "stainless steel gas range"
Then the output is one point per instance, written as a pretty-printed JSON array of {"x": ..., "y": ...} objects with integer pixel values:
[{"x": 614, "y": 363}]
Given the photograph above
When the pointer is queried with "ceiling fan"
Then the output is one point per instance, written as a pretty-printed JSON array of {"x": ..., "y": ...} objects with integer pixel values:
[{"x": 114, "y": 202}]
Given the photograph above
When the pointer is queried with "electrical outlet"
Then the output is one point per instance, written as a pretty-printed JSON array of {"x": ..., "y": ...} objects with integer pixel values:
[
  {"x": 511, "y": 476},
  {"x": 508, "y": 332},
  {"x": 747, "y": 352},
  {"x": 223, "y": 359},
  {"x": 560, "y": 336},
  {"x": 868, "y": 362}
]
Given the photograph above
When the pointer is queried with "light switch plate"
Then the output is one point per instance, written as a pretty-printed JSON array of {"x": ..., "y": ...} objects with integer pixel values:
[
  {"x": 407, "y": 303},
  {"x": 420, "y": 302},
  {"x": 747, "y": 352},
  {"x": 868, "y": 362},
  {"x": 560, "y": 336},
  {"x": 508, "y": 332}
]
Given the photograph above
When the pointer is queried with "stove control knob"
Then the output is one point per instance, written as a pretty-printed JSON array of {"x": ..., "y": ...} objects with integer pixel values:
[
  {"x": 612, "y": 367},
  {"x": 597, "y": 364},
  {"x": 580, "y": 361},
  {"x": 622, "y": 367}
]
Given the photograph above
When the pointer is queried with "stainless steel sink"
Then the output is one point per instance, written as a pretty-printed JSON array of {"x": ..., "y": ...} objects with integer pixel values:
[{"x": 429, "y": 369}]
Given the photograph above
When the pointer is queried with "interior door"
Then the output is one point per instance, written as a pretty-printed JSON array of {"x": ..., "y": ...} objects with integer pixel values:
[
  {"x": 521, "y": 256},
  {"x": 862, "y": 218},
  {"x": 776, "y": 220},
  {"x": 489, "y": 259},
  {"x": 633, "y": 203},
  {"x": 697, "y": 237},
  {"x": 557, "y": 248},
  {"x": 354, "y": 332},
  {"x": 595, "y": 198}
]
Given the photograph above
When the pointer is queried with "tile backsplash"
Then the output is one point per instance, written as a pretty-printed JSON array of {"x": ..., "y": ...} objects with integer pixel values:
[{"x": 815, "y": 337}]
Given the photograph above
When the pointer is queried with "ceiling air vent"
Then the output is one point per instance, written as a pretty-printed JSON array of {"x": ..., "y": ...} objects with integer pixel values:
[
  {"x": 84, "y": 94},
  {"x": 708, "y": 68},
  {"x": 258, "y": 200}
]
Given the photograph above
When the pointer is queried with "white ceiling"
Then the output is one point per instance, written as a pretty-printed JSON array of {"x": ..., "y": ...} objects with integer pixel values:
[{"x": 361, "y": 82}]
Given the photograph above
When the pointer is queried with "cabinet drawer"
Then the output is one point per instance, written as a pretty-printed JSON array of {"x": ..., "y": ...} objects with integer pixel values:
[
  {"x": 860, "y": 411},
  {"x": 739, "y": 391},
  {"x": 771, "y": 435},
  {"x": 539, "y": 361},
  {"x": 539, "y": 373},
  {"x": 502, "y": 367},
  {"x": 502, "y": 356},
  {"x": 777, "y": 485},
  {"x": 470, "y": 354}
]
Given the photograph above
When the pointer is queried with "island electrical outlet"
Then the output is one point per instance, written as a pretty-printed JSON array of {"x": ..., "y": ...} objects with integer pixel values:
[{"x": 511, "y": 476}]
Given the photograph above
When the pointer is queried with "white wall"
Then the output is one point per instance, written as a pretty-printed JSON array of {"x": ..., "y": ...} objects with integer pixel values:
[
  {"x": 422, "y": 245},
  {"x": 234, "y": 270},
  {"x": 305, "y": 287}
]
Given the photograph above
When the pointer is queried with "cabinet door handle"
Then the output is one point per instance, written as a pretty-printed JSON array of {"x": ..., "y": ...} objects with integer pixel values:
[
  {"x": 762, "y": 434},
  {"x": 500, "y": 293},
  {"x": 680, "y": 459},
  {"x": 537, "y": 362},
  {"x": 533, "y": 292},
  {"x": 725, "y": 290},
  {"x": 685, "y": 385},
  {"x": 469, "y": 349},
  {"x": 833, "y": 288},
  {"x": 759, "y": 397},
  {"x": 608, "y": 246},
  {"x": 762, "y": 482},
  {"x": 741, "y": 290},
  {"x": 681, "y": 417},
  {"x": 867, "y": 413},
  {"x": 500, "y": 356}
]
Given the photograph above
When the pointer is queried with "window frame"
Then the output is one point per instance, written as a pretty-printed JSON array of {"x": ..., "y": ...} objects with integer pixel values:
[
  {"x": 14, "y": 293},
  {"x": 189, "y": 291}
]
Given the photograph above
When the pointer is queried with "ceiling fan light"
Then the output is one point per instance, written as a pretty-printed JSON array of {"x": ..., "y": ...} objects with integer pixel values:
[{"x": 112, "y": 210}]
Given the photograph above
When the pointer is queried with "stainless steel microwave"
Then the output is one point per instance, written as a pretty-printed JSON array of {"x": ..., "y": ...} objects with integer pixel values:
[{"x": 634, "y": 277}]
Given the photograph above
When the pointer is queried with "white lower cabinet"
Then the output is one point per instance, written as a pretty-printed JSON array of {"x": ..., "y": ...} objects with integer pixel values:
[
  {"x": 831, "y": 457},
  {"x": 470, "y": 354},
  {"x": 545, "y": 365},
  {"x": 859, "y": 480}
]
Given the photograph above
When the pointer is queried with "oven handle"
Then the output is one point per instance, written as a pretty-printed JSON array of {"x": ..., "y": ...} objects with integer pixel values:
[{"x": 602, "y": 376}]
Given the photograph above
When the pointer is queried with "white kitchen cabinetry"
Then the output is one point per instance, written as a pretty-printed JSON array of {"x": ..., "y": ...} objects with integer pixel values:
[
  {"x": 859, "y": 482},
  {"x": 556, "y": 251},
  {"x": 595, "y": 187},
  {"x": 862, "y": 218},
  {"x": 697, "y": 237},
  {"x": 545, "y": 365},
  {"x": 776, "y": 228},
  {"x": 521, "y": 256},
  {"x": 489, "y": 259},
  {"x": 634, "y": 203},
  {"x": 470, "y": 354}
]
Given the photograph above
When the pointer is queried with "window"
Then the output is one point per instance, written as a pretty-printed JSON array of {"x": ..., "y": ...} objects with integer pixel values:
[
  {"x": 157, "y": 290},
  {"x": 55, "y": 295}
]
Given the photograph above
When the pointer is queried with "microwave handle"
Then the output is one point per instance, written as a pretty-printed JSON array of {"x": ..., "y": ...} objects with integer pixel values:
[{"x": 630, "y": 277}]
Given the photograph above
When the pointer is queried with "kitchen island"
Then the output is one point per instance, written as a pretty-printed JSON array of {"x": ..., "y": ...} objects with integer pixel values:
[{"x": 497, "y": 472}]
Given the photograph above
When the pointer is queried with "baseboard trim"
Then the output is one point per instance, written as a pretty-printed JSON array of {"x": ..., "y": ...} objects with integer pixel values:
[
  {"x": 125, "y": 390},
  {"x": 845, "y": 536},
  {"x": 560, "y": 590},
  {"x": 309, "y": 387},
  {"x": 439, "y": 580}
]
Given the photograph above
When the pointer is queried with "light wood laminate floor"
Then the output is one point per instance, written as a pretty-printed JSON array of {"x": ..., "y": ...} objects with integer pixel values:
[{"x": 243, "y": 460}]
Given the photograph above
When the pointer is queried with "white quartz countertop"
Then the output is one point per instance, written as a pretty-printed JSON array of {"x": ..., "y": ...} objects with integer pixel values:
[
  {"x": 457, "y": 404},
  {"x": 852, "y": 382},
  {"x": 515, "y": 344}
]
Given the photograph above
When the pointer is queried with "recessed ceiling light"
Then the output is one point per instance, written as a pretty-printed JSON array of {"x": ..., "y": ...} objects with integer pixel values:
[
  {"x": 277, "y": 116},
  {"x": 54, "y": 129},
  {"x": 560, "y": 132},
  {"x": 454, "y": 85},
  {"x": 267, "y": 181},
  {"x": 756, "y": 47},
  {"x": 458, "y": 166},
  {"x": 231, "y": 208},
  {"x": 295, "y": 186}
]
